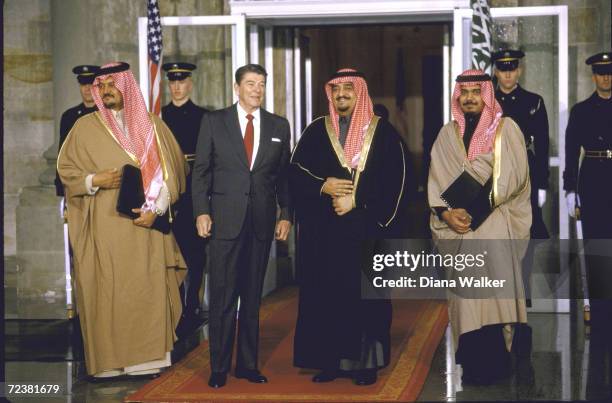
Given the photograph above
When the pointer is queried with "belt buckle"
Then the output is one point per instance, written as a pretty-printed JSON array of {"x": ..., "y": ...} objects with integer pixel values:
[{"x": 609, "y": 153}]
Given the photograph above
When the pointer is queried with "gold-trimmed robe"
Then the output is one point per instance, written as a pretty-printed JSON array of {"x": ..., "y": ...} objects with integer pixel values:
[
  {"x": 126, "y": 276},
  {"x": 509, "y": 220},
  {"x": 336, "y": 327}
]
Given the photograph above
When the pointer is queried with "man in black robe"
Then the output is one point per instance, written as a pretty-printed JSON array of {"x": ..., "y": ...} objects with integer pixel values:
[
  {"x": 85, "y": 75},
  {"x": 347, "y": 178},
  {"x": 183, "y": 117}
]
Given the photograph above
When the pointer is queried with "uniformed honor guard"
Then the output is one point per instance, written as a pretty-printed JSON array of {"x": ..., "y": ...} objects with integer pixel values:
[
  {"x": 183, "y": 117},
  {"x": 527, "y": 109},
  {"x": 587, "y": 186},
  {"x": 85, "y": 75}
]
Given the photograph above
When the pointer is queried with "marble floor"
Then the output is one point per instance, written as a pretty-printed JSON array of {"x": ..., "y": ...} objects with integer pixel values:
[
  {"x": 51, "y": 352},
  {"x": 565, "y": 365}
]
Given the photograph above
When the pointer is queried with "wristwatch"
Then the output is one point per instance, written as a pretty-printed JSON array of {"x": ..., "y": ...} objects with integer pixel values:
[{"x": 158, "y": 211}]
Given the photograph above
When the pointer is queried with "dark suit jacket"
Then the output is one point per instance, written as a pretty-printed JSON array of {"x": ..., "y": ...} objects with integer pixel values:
[{"x": 223, "y": 184}]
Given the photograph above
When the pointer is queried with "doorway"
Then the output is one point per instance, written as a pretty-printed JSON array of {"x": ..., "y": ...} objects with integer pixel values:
[{"x": 397, "y": 59}]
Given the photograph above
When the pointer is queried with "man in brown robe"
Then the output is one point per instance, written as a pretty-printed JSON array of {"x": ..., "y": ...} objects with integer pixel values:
[
  {"x": 492, "y": 150},
  {"x": 126, "y": 273}
]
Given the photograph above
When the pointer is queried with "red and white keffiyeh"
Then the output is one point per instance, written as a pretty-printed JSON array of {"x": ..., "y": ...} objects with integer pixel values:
[
  {"x": 140, "y": 140},
  {"x": 484, "y": 135},
  {"x": 360, "y": 118}
]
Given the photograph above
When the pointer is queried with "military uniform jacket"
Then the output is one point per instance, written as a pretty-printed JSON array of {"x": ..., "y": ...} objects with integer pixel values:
[
  {"x": 590, "y": 127},
  {"x": 69, "y": 118},
  {"x": 184, "y": 122},
  {"x": 528, "y": 111}
]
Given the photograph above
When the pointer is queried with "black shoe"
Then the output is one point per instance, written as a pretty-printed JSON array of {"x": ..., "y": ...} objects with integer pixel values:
[
  {"x": 327, "y": 375},
  {"x": 251, "y": 375},
  {"x": 143, "y": 377},
  {"x": 217, "y": 379},
  {"x": 365, "y": 377},
  {"x": 106, "y": 379}
]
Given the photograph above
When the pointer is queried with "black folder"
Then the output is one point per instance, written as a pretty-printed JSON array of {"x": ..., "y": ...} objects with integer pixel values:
[
  {"x": 131, "y": 196},
  {"x": 467, "y": 193}
]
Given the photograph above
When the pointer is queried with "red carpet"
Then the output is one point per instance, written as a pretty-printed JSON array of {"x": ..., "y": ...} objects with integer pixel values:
[{"x": 417, "y": 329}]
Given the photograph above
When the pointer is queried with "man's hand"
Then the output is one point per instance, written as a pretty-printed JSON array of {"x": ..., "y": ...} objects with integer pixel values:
[
  {"x": 343, "y": 205},
  {"x": 570, "y": 199},
  {"x": 457, "y": 219},
  {"x": 337, "y": 187},
  {"x": 146, "y": 219},
  {"x": 204, "y": 225},
  {"x": 282, "y": 230},
  {"x": 541, "y": 197},
  {"x": 108, "y": 179}
]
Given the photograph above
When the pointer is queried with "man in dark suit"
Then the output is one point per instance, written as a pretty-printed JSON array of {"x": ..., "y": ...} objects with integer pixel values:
[{"x": 240, "y": 174}]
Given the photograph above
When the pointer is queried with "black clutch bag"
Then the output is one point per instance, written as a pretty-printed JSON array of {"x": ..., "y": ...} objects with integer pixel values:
[
  {"x": 467, "y": 193},
  {"x": 131, "y": 196}
]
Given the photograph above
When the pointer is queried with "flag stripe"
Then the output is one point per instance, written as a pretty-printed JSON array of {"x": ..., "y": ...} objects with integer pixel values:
[{"x": 154, "y": 51}]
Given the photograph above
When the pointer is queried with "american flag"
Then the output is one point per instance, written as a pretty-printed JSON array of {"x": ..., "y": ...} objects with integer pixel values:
[{"x": 154, "y": 45}]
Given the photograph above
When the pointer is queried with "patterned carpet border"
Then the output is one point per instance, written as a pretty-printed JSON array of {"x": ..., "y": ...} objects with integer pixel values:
[{"x": 402, "y": 384}]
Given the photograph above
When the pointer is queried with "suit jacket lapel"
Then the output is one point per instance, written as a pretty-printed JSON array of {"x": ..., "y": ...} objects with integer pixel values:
[
  {"x": 235, "y": 133},
  {"x": 265, "y": 137}
]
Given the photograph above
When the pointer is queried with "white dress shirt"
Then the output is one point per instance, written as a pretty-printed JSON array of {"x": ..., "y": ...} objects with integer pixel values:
[
  {"x": 256, "y": 125},
  {"x": 163, "y": 199},
  {"x": 118, "y": 115}
]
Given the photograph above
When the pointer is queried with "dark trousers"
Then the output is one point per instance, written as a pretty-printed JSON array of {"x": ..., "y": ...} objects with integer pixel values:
[
  {"x": 192, "y": 248},
  {"x": 597, "y": 231},
  {"x": 237, "y": 269},
  {"x": 596, "y": 200},
  {"x": 483, "y": 355}
]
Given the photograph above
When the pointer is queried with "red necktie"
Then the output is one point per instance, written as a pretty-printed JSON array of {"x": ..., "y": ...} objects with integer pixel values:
[{"x": 249, "y": 136}]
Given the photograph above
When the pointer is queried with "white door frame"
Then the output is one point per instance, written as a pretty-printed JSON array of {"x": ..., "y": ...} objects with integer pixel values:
[
  {"x": 307, "y": 12},
  {"x": 296, "y": 13},
  {"x": 316, "y": 12},
  {"x": 268, "y": 59},
  {"x": 239, "y": 50},
  {"x": 301, "y": 12}
]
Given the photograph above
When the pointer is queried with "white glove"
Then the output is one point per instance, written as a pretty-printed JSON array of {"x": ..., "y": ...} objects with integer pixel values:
[
  {"x": 541, "y": 197},
  {"x": 570, "y": 199}
]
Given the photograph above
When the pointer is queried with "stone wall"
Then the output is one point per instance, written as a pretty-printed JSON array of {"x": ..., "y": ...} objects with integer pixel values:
[
  {"x": 28, "y": 106},
  {"x": 44, "y": 39}
]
